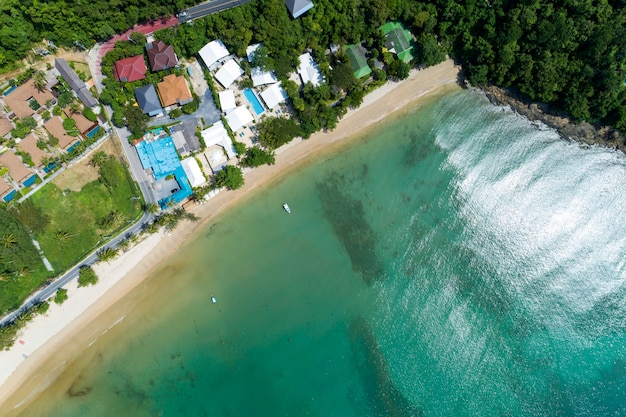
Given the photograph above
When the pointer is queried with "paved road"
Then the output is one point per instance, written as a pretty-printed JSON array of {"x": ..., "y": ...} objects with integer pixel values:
[{"x": 208, "y": 8}]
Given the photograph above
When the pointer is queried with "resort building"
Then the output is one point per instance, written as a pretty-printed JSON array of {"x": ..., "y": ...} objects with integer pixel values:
[
  {"x": 309, "y": 71},
  {"x": 161, "y": 56},
  {"x": 227, "y": 100},
  {"x": 55, "y": 128},
  {"x": 83, "y": 125},
  {"x": 148, "y": 100},
  {"x": 238, "y": 118},
  {"x": 29, "y": 145},
  {"x": 356, "y": 53},
  {"x": 260, "y": 77},
  {"x": 20, "y": 100},
  {"x": 17, "y": 170},
  {"x": 5, "y": 125},
  {"x": 298, "y": 7},
  {"x": 273, "y": 95},
  {"x": 174, "y": 90},
  {"x": 6, "y": 191},
  {"x": 229, "y": 72},
  {"x": 213, "y": 52},
  {"x": 398, "y": 40},
  {"x": 219, "y": 147},
  {"x": 77, "y": 85},
  {"x": 130, "y": 69},
  {"x": 192, "y": 170}
]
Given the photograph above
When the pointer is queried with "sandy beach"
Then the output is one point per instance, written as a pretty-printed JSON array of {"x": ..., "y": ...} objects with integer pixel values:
[{"x": 51, "y": 340}]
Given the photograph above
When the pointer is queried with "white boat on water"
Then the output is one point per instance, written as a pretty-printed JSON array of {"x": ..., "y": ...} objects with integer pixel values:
[
  {"x": 286, "y": 207},
  {"x": 213, "y": 299}
]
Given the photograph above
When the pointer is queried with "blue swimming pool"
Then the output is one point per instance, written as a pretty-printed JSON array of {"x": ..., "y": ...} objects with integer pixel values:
[
  {"x": 256, "y": 104},
  {"x": 93, "y": 132}
]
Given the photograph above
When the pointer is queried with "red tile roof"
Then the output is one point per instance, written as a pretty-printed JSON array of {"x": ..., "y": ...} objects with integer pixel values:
[
  {"x": 161, "y": 56},
  {"x": 29, "y": 145},
  {"x": 16, "y": 167},
  {"x": 174, "y": 90},
  {"x": 130, "y": 69}
]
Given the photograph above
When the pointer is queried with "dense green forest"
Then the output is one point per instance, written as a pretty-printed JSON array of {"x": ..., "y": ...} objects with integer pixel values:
[{"x": 568, "y": 53}]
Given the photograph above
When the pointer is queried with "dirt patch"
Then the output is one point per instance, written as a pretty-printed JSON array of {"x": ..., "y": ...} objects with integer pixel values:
[
  {"x": 38, "y": 62},
  {"x": 82, "y": 172}
]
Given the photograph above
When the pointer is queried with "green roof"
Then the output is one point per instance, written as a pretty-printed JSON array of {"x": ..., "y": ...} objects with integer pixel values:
[
  {"x": 358, "y": 61},
  {"x": 399, "y": 39}
]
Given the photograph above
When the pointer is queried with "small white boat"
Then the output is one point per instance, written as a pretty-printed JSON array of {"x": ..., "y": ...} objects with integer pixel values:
[
  {"x": 213, "y": 299},
  {"x": 286, "y": 207}
]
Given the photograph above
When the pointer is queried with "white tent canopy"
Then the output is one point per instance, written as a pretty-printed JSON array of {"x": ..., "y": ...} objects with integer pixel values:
[
  {"x": 193, "y": 171},
  {"x": 308, "y": 70},
  {"x": 238, "y": 118},
  {"x": 229, "y": 72},
  {"x": 273, "y": 95},
  {"x": 260, "y": 77},
  {"x": 212, "y": 52},
  {"x": 217, "y": 135},
  {"x": 227, "y": 100}
]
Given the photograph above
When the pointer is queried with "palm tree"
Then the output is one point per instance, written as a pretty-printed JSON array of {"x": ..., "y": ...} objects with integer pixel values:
[
  {"x": 106, "y": 254},
  {"x": 63, "y": 236},
  {"x": 75, "y": 107},
  {"x": 99, "y": 158},
  {"x": 152, "y": 208},
  {"x": 39, "y": 79},
  {"x": 8, "y": 240}
]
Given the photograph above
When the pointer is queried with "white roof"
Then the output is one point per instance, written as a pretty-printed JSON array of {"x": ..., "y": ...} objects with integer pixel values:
[
  {"x": 227, "y": 100},
  {"x": 260, "y": 77},
  {"x": 273, "y": 95},
  {"x": 213, "y": 51},
  {"x": 229, "y": 72},
  {"x": 238, "y": 118},
  {"x": 308, "y": 70},
  {"x": 193, "y": 171},
  {"x": 250, "y": 50},
  {"x": 217, "y": 135}
]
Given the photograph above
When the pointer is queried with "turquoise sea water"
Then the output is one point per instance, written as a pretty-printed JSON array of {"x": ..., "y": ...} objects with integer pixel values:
[{"x": 458, "y": 261}]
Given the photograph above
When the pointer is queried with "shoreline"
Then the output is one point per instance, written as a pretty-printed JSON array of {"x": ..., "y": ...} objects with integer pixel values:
[
  {"x": 53, "y": 339},
  {"x": 583, "y": 133}
]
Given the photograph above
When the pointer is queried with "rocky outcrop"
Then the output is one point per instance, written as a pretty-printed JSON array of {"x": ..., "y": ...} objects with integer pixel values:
[{"x": 584, "y": 132}]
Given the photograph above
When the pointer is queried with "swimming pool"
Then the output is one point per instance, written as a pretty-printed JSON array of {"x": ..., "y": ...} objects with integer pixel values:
[{"x": 256, "y": 104}]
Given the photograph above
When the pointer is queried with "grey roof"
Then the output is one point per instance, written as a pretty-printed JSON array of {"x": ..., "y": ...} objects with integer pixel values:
[
  {"x": 298, "y": 7},
  {"x": 148, "y": 99},
  {"x": 68, "y": 74},
  {"x": 85, "y": 96}
]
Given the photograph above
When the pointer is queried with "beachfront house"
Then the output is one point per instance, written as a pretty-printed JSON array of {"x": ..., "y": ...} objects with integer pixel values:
[
  {"x": 356, "y": 54},
  {"x": 20, "y": 173},
  {"x": 398, "y": 40},
  {"x": 148, "y": 100},
  {"x": 219, "y": 146},
  {"x": 229, "y": 72},
  {"x": 309, "y": 71},
  {"x": 130, "y": 69},
  {"x": 213, "y": 52},
  {"x": 7, "y": 192},
  {"x": 174, "y": 90},
  {"x": 273, "y": 95},
  {"x": 24, "y": 98},
  {"x": 37, "y": 155},
  {"x": 298, "y": 7},
  {"x": 227, "y": 100},
  {"x": 192, "y": 170},
  {"x": 239, "y": 118},
  {"x": 77, "y": 85},
  {"x": 5, "y": 125},
  {"x": 161, "y": 56},
  {"x": 55, "y": 128}
]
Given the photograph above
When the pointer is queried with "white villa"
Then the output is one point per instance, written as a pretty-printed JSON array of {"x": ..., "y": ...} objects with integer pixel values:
[
  {"x": 193, "y": 172},
  {"x": 213, "y": 52},
  {"x": 273, "y": 95},
  {"x": 309, "y": 71},
  {"x": 227, "y": 100},
  {"x": 238, "y": 118},
  {"x": 229, "y": 72},
  {"x": 260, "y": 77}
]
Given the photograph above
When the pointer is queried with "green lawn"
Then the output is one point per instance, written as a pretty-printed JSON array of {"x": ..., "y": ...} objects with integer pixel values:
[
  {"x": 79, "y": 221},
  {"x": 76, "y": 219}
]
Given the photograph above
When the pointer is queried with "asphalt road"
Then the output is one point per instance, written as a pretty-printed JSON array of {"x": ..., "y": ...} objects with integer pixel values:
[{"x": 208, "y": 8}]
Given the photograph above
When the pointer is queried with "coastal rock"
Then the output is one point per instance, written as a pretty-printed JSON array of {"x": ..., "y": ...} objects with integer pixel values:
[{"x": 584, "y": 132}]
